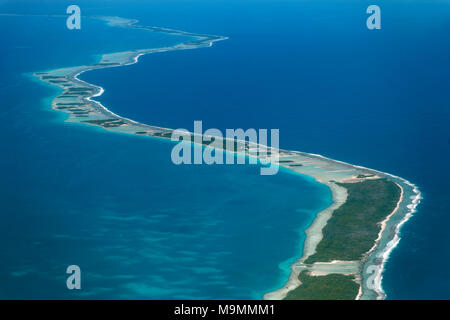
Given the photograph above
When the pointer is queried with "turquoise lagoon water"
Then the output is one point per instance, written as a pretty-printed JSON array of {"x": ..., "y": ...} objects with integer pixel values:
[
  {"x": 140, "y": 227},
  {"x": 137, "y": 225},
  {"x": 311, "y": 68}
]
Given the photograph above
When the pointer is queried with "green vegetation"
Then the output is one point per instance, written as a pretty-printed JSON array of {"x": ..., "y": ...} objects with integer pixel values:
[
  {"x": 365, "y": 176},
  {"x": 329, "y": 287},
  {"x": 163, "y": 134},
  {"x": 353, "y": 227},
  {"x": 70, "y": 104},
  {"x": 107, "y": 123},
  {"x": 107, "y": 64},
  {"x": 51, "y": 77},
  {"x": 80, "y": 89},
  {"x": 57, "y": 81}
]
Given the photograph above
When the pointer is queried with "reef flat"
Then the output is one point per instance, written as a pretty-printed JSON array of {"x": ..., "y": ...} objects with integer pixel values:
[
  {"x": 76, "y": 96},
  {"x": 346, "y": 245},
  {"x": 355, "y": 235}
]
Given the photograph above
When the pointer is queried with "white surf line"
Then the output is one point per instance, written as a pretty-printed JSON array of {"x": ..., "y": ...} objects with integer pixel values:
[
  {"x": 387, "y": 250},
  {"x": 391, "y": 245},
  {"x": 131, "y": 24},
  {"x": 376, "y": 243},
  {"x": 384, "y": 254}
]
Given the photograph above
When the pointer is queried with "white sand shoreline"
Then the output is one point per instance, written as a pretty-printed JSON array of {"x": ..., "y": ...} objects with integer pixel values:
[
  {"x": 313, "y": 237},
  {"x": 317, "y": 166}
]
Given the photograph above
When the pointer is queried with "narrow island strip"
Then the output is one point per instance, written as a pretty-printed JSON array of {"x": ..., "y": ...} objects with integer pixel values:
[{"x": 347, "y": 244}]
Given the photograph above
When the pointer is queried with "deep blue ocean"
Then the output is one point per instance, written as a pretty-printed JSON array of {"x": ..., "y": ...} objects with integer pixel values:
[{"x": 139, "y": 226}]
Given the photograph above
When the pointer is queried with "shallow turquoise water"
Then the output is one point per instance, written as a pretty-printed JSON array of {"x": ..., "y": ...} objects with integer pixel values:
[
  {"x": 310, "y": 68},
  {"x": 137, "y": 225},
  {"x": 379, "y": 99}
]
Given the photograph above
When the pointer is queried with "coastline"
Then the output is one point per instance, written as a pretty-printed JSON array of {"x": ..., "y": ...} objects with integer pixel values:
[
  {"x": 76, "y": 100},
  {"x": 313, "y": 237},
  {"x": 383, "y": 224},
  {"x": 372, "y": 265}
]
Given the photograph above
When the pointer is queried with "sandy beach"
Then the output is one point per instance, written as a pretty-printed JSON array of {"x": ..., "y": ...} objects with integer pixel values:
[{"x": 76, "y": 100}]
